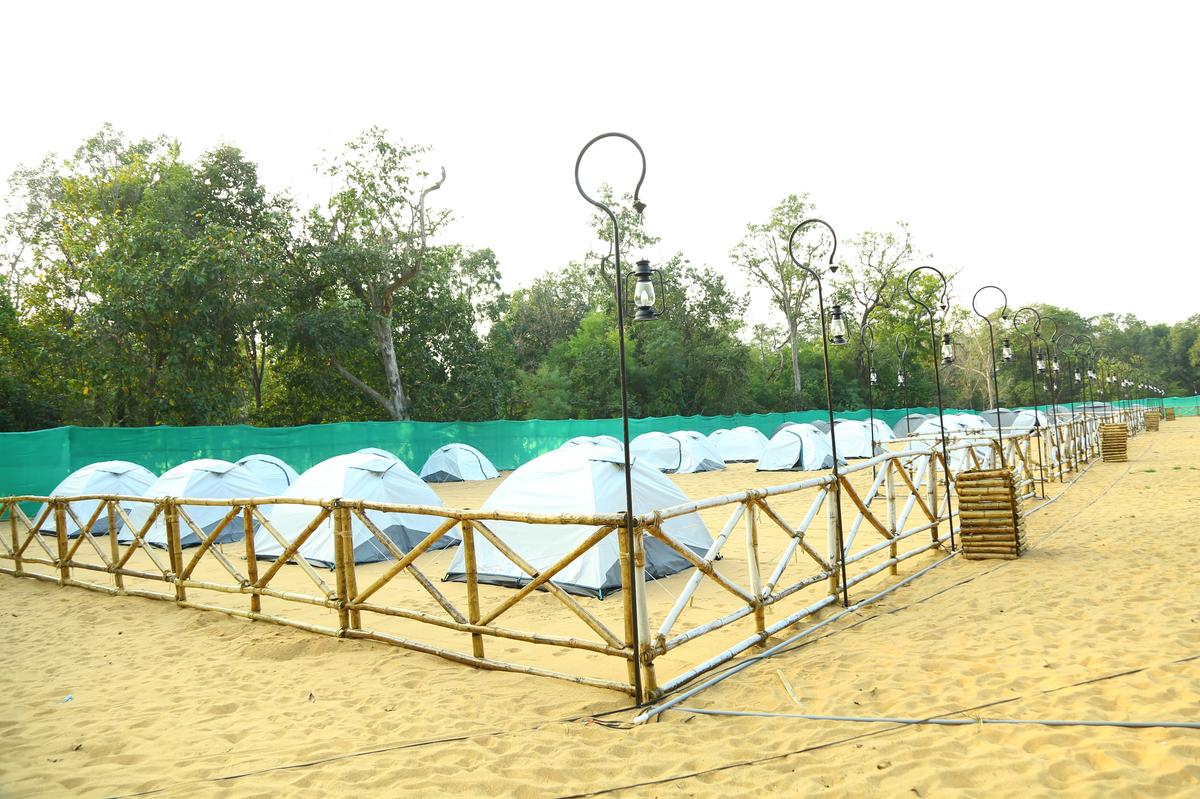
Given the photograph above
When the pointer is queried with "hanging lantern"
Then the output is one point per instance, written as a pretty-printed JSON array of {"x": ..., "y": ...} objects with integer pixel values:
[
  {"x": 1078, "y": 377},
  {"x": 1006, "y": 353},
  {"x": 837, "y": 326},
  {"x": 900, "y": 378},
  {"x": 646, "y": 302},
  {"x": 874, "y": 377},
  {"x": 1041, "y": 363},
  {"x": 947, "y": 349},
  {"x": 1054, "y": 367}
]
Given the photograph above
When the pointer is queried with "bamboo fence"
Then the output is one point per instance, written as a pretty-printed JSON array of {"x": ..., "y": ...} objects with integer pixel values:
[{"x": 732, "y": 598}]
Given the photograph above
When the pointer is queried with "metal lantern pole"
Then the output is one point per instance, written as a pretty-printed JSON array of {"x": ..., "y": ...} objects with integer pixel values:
[
  {"x": 992, "y": 352},
  {"x": 867, "y": 335},
  {"x": 619, "y": 283},
  {"x": 837, "y": 488},
  {"x": 902, "y": 379},
  {"x": 937, "y": 379},
  {"x": 1033, "y": 372}
]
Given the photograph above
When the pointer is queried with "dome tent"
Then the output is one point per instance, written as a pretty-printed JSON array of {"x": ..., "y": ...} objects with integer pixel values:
[
  {"x": 999, "y": 417},
  {"x": 205, "y": 478},
  {"x": 1024, "y": 421},
  {"x": 969, "y": 421},
  {"x": 797, "y": 447},
  {"x": 582, "y": 479},
  {"x": 105, "y": 477},
  {"x": 455, "y": 463},
  {"x": 820, "y": 424},
  {"x": 907, "y": 426},
  {"x": 382, "y": 453},
  {"x": 854, "y": 438},
  {"x": 601, "y": 440},
  {"x": 358, "y": 475},
  {"x": 274, "y": 474},
  {"x": 675, "y": 453},
  {"x": 957, "y": 432},
  {"x": 738, "y": 444}
]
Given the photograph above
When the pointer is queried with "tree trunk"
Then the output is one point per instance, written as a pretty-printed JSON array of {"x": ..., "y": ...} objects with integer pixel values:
[
  {"x": 795, "y": 356},
  {"x": 397, "y": 400}
]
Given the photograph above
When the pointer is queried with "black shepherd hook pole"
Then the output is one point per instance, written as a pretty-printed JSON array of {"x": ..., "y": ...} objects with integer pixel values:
[
  {"x": 937, "y": 380},
  {"x": 1033, "y": 378},
  {"x": 902, "y": 378},
  {"x": 992, "y": 352},
  {"x": 1052, "y": 386},
  {"x": 639, "y": 206},
  {"x": 836, "y": 485},
  {"x": 867, "y": 334}
]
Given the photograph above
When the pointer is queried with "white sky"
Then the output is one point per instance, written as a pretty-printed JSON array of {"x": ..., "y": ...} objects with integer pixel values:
[{"x": 1051, "y": 148}]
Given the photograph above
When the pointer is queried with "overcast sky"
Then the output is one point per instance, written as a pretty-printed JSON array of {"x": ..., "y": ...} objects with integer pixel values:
[{"x": 1051, "y": 148}]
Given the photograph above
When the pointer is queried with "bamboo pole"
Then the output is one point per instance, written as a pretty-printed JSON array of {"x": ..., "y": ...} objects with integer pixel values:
[
  {"x": 890, "y": 488},
  {"x": 176, "y": 549},
  {"x": 760, "y": 616},
  {"x": 11, "y": 507},
  {"x": 627, "y": 610},
  {"x": 468, "y": 544},
  {"x": 114, "y": 547},
  {"x": 251, "y": 558},
  {"x": 60, "y": 535},
  {"x": 831, "y": 544},
  {"x": 341, "y": 539},
  {"x": 933, "y": 496},
  {"x": 644, "y": 653}
]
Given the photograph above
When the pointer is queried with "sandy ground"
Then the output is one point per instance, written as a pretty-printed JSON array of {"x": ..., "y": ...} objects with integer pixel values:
[{"x": 179, "y": 702}]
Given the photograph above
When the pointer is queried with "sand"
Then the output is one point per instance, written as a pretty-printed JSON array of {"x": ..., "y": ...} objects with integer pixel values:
[{"x": 183, "y": 702}]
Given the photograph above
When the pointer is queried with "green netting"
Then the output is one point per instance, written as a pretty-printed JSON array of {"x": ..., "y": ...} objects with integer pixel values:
[{"x": 35, "y": 462}]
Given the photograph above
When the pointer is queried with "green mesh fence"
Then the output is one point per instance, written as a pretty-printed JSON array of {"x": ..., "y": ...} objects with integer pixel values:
[{"x": 35, "y": 462}]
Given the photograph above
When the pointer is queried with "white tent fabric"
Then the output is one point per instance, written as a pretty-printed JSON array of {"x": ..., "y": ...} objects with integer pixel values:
[
  {"x": 105, "y": 477},
  {"x": 854, "y": 439},
  {"x": 999, "y": 417},
  {"x": 580, "y": 479},
  {"x": 675, "y": 453},
  {"x": 797, "y": 447},
  {"x": 1023, "y": 421},
  {"x": 699, "y": 455},
  {"x": 457, "y": 462},
  {"x": 969, "y": 421},
  {"x": 382, "y": 453},
  {"x": 601, "y": 440},
  {"x": 275, "y": 475},
  {"x": 882, "y": 431},
  {"x": 738, "y": 444},
  {"x": 358, "y": 475},
  {"x": 957, "y": 430},
  {"x": 908, "y": 425},
  {"x": 206, "y": 478}
]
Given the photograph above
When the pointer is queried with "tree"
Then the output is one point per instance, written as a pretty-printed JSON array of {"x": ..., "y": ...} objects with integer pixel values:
[
  {"x": 763, "y": 254},
  {"x": 372, "y": 241}
]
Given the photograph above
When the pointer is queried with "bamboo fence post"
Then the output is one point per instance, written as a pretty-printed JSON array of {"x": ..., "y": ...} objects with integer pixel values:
[
  {"x": 114, "y": 547},
  {"x": 831, "y": 542},
  {"x": 468, "y": 544},
  {"x": 175, "y": 549},
  {"x": 627, "y": 607},
  {"x": 251, "y": 558},
  {"x": 644, "y": 654},
  {"x": 760, "y": 617},
  {"x": 16, "y": 538},
  {"x": 934, "y": 510},
  {"x": 890, "y": 488},
  {"x": 341, "y": 538},
  {"x": 60, "y": 535}
]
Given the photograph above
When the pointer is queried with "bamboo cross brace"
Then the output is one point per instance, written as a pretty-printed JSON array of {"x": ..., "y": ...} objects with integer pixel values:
[
  {"x": 697, "y": 575},
  {"x": 32, "y": 533},
  {"x": 417, "y": 574},
  {"x": 292, "y": 552},
  {"x": 916, "y": 494},
  {"x": 702, "y": 565},
  {"x": 862, "y": 509},
  {"x": 869, "y": 498},
  {"x": 591, "y": 621},
  {"x": 139, "y": 536},
  {"x": 206, "y": 544},
  {"x": 798, "y": 533},
  {"x": 85, "y": 532},
  {"x": 12, "y": 529},
  {"x": 403, "y": 559},
  {"x": 546, "y": 574}
]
